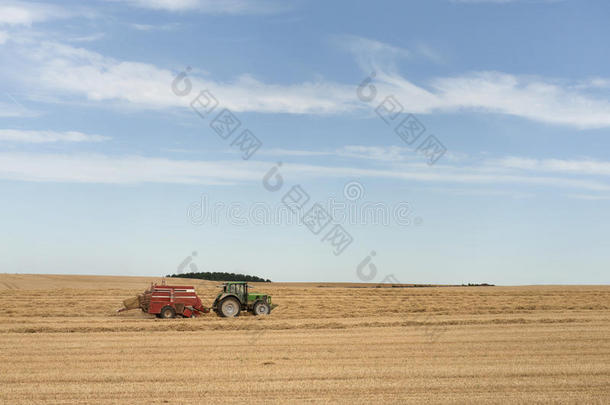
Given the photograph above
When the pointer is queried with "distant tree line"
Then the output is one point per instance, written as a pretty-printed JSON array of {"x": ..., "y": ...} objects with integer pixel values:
[
  {"x": 478, "y": 285},
  {"x": 220, "y": 276}
]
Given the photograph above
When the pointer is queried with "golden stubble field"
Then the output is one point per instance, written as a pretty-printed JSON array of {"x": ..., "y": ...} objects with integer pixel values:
[{"x": 62, "y": 343}]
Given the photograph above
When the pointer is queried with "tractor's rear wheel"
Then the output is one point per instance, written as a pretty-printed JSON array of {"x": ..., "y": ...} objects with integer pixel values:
[
  {"x": 261, "y": 308},
  {"x": 167, "y": 312},
  {"x": 229, "y": 307}
]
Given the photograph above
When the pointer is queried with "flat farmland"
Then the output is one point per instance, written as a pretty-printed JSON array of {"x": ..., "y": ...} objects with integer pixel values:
[{"x": 62, "y": 342}]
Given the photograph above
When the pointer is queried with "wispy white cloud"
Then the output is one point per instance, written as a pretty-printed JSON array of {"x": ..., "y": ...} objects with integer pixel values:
[
  {"x": 570, "y": 166},
  {"x": 483, "y": 192},
  {"x": 18, "y": 135},
  {"x": 67, "y": 71},
  {"x": 483, "y": 1},
  {"x": 463, "y": 168},
  {"x": 11, "y": 110},
  {"x": 296, "y": 152},
  {"x": 590, "y": 197},
  {"x": 503, "y": 1},
  {"x": 429, "y": 52},
  {"x": 96, "y": 168},
  {"x": 211, "y": 6},
  {"x": 156, "y": 27},
  {"x": 27, "y": 13},
  {"x": 373, "y": 52},
  {"x": 419, "y": 172},
  {"x": 369, "y": 51},
  {"x": 550, "y": 101},
  {"x": 386, "y": 154},
  {"x": 501, "y": 93},
  {"x": 381, "y": 154},
  {"x": 138, "y": 169},
  {"x": 599, "y": 83},
  {"x": 88, "y": 38},
  {"x": 525, "y": 97}
]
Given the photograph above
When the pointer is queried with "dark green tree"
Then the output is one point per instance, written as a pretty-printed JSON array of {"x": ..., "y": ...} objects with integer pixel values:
[{"x": 220, "y": 276}]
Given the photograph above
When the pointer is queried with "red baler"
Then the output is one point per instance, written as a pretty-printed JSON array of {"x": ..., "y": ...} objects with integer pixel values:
[{"x": 167, "y": 301}]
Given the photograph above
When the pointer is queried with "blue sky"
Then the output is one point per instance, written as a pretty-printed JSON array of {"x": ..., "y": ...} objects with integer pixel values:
[{"x": 106, "y": 170}]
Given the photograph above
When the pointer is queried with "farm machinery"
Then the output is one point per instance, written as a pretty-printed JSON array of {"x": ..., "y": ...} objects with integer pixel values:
[
  {"x": 167, "y": 301},
  {"x": 170, "y": 301},
  {"x": 235, "y": 298}
]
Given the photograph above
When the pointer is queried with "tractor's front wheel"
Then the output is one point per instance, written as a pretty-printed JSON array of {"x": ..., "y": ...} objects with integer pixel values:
[
  {"x": 261, "y": 308},
  {"x": 167, "y": 312},
  {"x": 229, "y": 308}
]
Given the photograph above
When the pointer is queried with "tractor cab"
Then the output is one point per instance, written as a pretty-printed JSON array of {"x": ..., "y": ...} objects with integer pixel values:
[{"x": 240, "y": 289}]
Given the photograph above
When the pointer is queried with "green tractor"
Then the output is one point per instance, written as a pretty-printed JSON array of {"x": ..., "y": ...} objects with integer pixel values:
[{"x": 235, "y": 297}]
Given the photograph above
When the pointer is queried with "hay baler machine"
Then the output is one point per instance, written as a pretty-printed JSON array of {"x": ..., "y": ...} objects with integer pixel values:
[{"x": 167, "y": 301}]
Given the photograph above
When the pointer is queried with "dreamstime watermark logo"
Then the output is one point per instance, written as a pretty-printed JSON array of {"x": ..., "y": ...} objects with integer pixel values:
[
  {"x": 188, "y": 262},
  {"x": 367, "y": 270},
  {"x": 408, "y": 128},
  {"x": 255, "y": 335},
  {"x": 353, "y": 191},
  {"x": 225, "y": 124},
  {"x": 355, "y": 210}
]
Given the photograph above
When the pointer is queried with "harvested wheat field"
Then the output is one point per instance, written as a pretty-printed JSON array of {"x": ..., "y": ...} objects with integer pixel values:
[{"x": 63, "y": 343}]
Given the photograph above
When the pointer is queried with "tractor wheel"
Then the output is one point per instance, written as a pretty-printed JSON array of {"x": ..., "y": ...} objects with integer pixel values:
[
  {"x": 261, "y": 308},
  {"x": 167, "y": 312},
  {"x": 229, "y": 307}
]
